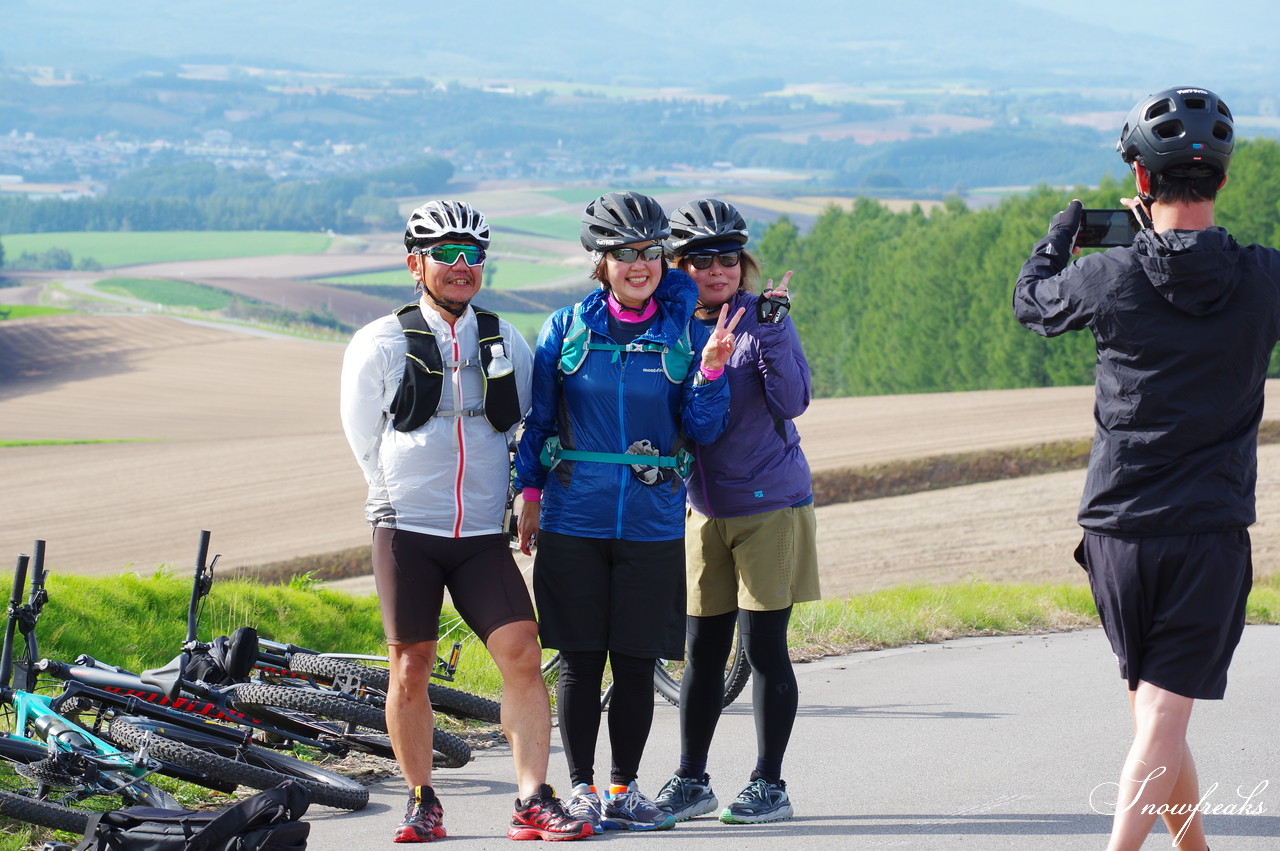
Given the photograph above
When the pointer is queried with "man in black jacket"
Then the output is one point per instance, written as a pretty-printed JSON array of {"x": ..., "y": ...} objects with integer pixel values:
[{"x": 1184, "y": 320}]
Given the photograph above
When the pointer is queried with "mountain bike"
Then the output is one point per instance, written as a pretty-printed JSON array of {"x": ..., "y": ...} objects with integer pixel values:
[
  {"x": 182, "y": 730},
  {"x": 53, "y": 772},
  {"x": 227, "y": 663}
]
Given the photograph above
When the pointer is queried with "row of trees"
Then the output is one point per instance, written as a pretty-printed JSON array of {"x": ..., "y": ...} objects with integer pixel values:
[
  {"x": 909, "y": 303},
  {"x": 194, "y": 195}
]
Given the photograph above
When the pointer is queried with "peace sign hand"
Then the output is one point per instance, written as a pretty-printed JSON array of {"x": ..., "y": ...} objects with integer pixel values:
[
  {"x": 773, "y": 305},
  {"x": 715, "y": 354}
]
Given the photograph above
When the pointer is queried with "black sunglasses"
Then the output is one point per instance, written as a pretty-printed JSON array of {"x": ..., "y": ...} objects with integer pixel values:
[
  {"x": 629, "y": 255},
  {"x": 728, "y": 259}
]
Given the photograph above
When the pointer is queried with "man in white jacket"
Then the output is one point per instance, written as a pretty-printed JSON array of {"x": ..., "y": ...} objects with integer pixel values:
[{"x": 431, "y": 398}]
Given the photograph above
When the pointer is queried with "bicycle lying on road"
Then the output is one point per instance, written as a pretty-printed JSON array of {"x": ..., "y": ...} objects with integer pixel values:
[{"x": 53, "y": 772}]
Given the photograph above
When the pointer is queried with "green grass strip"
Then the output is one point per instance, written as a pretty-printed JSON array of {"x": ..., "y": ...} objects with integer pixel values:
[
  {"x": 23, "y": 311},
  {"x": 131, "y": 247}
]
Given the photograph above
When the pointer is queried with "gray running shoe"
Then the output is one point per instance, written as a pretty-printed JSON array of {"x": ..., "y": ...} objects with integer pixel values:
[
  {"x": 631, "y": 810},
  {"x": 584, "y": 804},
  {"x": 687, "y": 797},
  {"x": 760, "y": 802}
]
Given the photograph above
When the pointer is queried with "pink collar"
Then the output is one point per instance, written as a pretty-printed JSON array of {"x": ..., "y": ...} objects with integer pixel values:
[{"x": 624, "y": 314}]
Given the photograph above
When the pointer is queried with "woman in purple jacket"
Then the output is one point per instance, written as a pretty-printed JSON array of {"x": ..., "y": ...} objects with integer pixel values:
[{"x": 749, "y": 536}]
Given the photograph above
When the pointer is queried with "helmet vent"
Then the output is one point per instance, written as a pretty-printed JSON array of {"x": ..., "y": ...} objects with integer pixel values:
[
  {"x": 1196, "y": 103},
  {"x": 1168, "y": 129},
  {"x": 1221, "y": 131},
  {"x": 1159, "y": 108}
]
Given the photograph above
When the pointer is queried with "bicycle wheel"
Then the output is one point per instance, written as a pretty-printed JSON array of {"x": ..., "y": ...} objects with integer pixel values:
[
  {"x": 243, "y": 764},
  {"x": 357, "y": 724},
  {"x": 370, "y": 683},
  {"x": 64, "y": 787},
  {"x": 667, "y": 674}
]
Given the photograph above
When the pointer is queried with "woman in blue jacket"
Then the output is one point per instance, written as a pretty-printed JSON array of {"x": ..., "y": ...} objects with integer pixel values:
[
  {"x": 750, "y": 538},
  {"x": 619, "y": 388}
]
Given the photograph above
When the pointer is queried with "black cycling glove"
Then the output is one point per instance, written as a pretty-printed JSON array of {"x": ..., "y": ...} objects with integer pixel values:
[{"x": 772, "y": 309}]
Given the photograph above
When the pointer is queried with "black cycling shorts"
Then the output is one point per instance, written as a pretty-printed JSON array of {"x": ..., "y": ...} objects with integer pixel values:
[
  {"x": 1173, "y": 607},
  {"x": 411, "y": 571},
  {"x": 605, "y": 594}
]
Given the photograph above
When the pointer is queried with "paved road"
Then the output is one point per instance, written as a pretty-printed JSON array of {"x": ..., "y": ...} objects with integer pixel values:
[{"x": 989, "y": 743}]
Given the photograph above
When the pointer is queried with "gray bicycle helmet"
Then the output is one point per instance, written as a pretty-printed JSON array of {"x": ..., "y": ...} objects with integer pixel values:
[
  {"x": 1188, "y": 130},
  {"x": 706, "y": 220},
  {"x": 437, "y": 220},
  {"x": 622, "y": 217}
]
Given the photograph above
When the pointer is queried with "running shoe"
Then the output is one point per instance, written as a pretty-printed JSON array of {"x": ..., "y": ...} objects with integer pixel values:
[
  {"x": 542, "y": 816},
  {"x": 584, "y": 805},
  {"x": 626, "y": 809},
  {"x": 424, "y": 820},
  {"x": 687, "y": 797},
  {"x": 760, "y": 802}
]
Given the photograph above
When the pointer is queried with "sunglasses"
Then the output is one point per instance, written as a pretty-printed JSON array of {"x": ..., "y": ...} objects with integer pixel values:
[
  {"x": 629, "y": 255},
  {"x": 449, "y": 254},
  {"x": 728, "y": 259}
]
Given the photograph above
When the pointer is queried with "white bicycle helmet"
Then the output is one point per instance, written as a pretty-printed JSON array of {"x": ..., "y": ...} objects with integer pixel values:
[{"x": 437, "y": 220}]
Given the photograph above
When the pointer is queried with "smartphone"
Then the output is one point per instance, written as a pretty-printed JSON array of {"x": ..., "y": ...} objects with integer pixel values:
[{"x": 1106, "y": 228}]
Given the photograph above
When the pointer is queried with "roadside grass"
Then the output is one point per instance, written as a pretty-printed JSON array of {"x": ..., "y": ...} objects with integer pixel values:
[
  {"x": 168, "y": 293},
  {"x": 22, "y": 311},
  {"x": 133, "y": 247}
]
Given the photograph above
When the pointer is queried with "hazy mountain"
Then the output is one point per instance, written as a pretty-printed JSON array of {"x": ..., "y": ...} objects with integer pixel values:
[{"x": 1133, "y": 47}]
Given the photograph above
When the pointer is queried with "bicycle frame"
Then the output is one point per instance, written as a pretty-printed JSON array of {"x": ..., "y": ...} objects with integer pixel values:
[{"x": 36, "y": 719}]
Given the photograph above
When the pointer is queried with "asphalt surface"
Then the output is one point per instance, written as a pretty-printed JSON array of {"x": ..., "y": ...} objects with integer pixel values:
[{"x": 992, "y": 743}]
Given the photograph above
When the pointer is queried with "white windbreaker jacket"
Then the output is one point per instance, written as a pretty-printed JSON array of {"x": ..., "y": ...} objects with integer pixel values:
[{"x": 450, "y": 476}]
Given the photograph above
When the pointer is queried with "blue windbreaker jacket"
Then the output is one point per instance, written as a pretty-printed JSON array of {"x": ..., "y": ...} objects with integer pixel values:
[{"x": 613, "y": 400}]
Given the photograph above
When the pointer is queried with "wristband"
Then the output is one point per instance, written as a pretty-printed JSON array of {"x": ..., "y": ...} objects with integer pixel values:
[
  {"x": 531, "y": 494},
  {"x": 711, "y": 374}
]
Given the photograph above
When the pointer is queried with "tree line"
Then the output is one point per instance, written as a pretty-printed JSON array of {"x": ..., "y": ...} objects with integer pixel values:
[
  {"x": 195, "y": 195},
  {"x": 908, "y": 303}
]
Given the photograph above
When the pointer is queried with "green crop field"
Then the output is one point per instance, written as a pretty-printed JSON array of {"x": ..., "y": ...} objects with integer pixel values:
[
  {"x": 556, "y": 226},
  {"x": 128, "y": 248},
  {"x": 168, "y": 293},
  {"x": 22, "y": 311}
]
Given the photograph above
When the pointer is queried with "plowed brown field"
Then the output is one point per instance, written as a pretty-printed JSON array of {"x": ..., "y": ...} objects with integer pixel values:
[{"x": 239, "y": 434}]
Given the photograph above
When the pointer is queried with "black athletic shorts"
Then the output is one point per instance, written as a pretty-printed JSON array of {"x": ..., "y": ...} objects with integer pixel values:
[
  {"x": 411, "y": 571},
  {"x": 606, "y": 594},
  {"x": 1172, "y": 607}
]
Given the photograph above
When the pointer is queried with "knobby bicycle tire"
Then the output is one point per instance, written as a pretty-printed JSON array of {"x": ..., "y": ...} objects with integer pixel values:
[
  {"x": 451, "y": 701},
  {"x": 64, "y": 807},
  {"x": 42, "y": 813},
  {"x": 245, "y": 765},
  {"x": 359, "y": 725}
]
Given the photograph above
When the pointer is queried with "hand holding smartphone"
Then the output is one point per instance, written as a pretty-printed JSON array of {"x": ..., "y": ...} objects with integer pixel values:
[{"x": 1106, "y": 228}]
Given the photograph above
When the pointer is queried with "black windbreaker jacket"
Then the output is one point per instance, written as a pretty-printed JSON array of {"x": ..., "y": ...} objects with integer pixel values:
[{"x": 1184, "y": 323}]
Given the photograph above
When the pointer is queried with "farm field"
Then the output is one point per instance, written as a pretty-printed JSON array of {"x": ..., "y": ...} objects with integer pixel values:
[{"x": 239, "y": 434}]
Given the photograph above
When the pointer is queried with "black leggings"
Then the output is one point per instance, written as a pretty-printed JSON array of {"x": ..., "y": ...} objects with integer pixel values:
[
  {"x": 630, "y": 712},
  {"x": 774, "y": 696}
]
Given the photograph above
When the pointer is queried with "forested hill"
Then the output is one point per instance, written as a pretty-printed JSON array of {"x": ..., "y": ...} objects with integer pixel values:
[{"x": 908, "y": 303}]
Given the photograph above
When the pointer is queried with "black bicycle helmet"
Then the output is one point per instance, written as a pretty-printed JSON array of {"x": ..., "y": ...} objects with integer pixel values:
[
  {"x": 706, "y": 220},
  {"x": 622, "y": 217},
  {"x": 437, "y": 220},
  {"x": 1187, "y": 130}
]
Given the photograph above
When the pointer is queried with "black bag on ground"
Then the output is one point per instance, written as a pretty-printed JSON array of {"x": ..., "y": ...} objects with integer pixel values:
[{"x": 267, "y": 821}]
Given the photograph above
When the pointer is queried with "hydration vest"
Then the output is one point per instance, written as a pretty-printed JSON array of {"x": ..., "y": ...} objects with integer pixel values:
[
  {"x": 577, "y": 342},
  {"x": 676, "y": 361},
  {"x": 422, "y": 386}
]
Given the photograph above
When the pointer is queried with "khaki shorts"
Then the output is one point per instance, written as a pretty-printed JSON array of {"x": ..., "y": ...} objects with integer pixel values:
[{"x": 761, "y": 562}]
